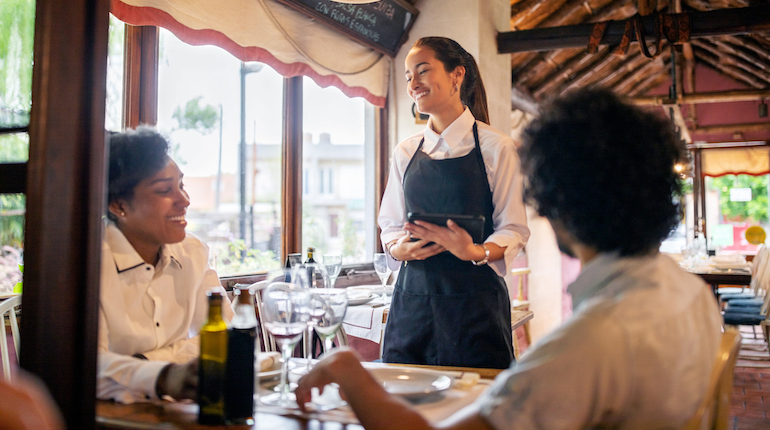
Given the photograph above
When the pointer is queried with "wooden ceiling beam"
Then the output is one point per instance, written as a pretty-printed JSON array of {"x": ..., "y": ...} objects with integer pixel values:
[
  {"x": 646, "y": 7},
  {"x": 750, "y": 63},
  {"x": 750, "y": 44},
  {"x": 703, "y": 24},
  {"x": 523, "y": 101},
  {"x": 628, "y": 67},
  {"x": 732, "y": 128},
  {"x": 726, "y": 63},
  {"x": 642, "y": 74},
  {"x": 675, "y": 112},
  {"x": 573, "y": 66},
  {"x": 582, "y": 77},
  {"x": 647, "y": 84},
  {"x": 709, "y": 97}
]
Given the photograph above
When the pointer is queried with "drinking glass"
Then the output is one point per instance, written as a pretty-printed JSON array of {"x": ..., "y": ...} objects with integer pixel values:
[
  {"x": 316, "y": 310},
  {"x": 336, "y": 301},
  {"x": 383, "y": 271},
  {"x": 285, "y": 315},
  {"x": 333, "y": 263}
]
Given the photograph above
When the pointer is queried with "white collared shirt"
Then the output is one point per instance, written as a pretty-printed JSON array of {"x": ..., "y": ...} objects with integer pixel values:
[
  {"x": 637, "y": 353},
  {"x": 153, "y": 311},
  {"x": 505, "y": 181}
]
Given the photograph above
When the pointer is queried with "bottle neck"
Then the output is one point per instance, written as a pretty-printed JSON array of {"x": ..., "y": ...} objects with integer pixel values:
[{"x": 215, "y": 311}]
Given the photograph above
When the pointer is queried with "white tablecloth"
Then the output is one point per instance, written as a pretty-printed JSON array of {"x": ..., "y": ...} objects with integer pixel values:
[{"x": 365, "y": 321}]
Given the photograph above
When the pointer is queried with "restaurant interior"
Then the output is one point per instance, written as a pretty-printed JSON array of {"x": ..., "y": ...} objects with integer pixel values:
[{"x": 96, "y": 65}]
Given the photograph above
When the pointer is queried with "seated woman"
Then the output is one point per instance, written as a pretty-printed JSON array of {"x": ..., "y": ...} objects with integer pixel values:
[{"x": 154, "y": 277}]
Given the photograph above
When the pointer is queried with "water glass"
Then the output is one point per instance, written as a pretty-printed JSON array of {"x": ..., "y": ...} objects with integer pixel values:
[
  {"x": 336, "y": 301},
  {"x": 383, "y": 271}
]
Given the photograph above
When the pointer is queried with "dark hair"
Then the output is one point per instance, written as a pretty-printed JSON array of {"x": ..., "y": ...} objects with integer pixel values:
[
  {"x": 135, "y": 155},
  {"x": 605, "y": 169},
  {"x": 451, "y": 54}
]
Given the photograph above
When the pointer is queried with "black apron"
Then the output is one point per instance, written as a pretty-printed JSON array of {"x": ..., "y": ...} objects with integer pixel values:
[{"x": 446, "y": 311}]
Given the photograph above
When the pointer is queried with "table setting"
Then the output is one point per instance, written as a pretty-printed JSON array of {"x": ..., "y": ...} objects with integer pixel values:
[{"x": 436, "y": 394}]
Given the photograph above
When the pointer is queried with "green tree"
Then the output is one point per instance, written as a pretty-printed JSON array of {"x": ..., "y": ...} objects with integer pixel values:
[
  {"x": 753, "y": 211},
  {"x": 17, "y": 27},
  {"x": 196, "y": 117}
]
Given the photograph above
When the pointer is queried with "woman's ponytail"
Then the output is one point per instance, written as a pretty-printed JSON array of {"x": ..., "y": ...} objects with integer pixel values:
[{"x": 452, "y": 55}]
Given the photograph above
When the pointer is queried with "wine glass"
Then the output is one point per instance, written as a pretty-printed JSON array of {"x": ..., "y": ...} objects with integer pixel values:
[
  {"x": 285, "y": 315},
  {"x": 333, "y": 263},
  {"x": 316, "y": 308},
  {"x": 336, "y": 301},
  {"x": 383, "y": 271}
]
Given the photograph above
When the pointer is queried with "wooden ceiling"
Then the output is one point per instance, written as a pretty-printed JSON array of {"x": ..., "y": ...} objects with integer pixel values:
[{"x": 743, "y": 59}]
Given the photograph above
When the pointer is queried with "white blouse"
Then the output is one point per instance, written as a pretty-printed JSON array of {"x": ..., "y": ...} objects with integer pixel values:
[{"x": 505, "y": 181}]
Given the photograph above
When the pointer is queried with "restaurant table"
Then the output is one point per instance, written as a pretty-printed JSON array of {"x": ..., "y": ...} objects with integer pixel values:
[
  {"x": 715, "y": 279},
  {"x": 170, "y": 415}
]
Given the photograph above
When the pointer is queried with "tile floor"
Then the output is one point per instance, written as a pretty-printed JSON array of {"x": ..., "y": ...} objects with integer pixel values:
[{"x": 750, "y": 407}]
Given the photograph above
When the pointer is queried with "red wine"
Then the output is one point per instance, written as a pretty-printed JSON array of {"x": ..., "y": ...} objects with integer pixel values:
[{"x": 239, "y": 376}]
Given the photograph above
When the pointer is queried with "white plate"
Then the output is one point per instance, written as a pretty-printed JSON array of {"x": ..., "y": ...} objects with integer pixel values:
[
  {"x": 361, "y": 301},
  {"x": 274, "y": 371},
  {"x": 728, "y": 266},
  {"x": 411, "y": 383}
]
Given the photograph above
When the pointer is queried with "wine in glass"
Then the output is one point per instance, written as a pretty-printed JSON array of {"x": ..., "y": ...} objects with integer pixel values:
[
  {"x": 383, "y": 271},
  {"x": 336, "y": 305},
  {"x": 285, "y": 315},
  {"x": 333, "y": 263}
]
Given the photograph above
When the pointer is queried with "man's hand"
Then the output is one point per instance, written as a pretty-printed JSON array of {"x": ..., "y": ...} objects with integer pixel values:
[{"x": 179, "y": 381}]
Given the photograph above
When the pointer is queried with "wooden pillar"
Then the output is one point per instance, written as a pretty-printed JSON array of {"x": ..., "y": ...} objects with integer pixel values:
[
  {"x": 65, "y": 203},
  {"x": 381, "y": 165},
  {"x": 140, "y": 78}
]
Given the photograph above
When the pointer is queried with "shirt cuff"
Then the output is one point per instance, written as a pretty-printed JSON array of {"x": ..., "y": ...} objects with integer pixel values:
[{"x": 146, "y": 378}]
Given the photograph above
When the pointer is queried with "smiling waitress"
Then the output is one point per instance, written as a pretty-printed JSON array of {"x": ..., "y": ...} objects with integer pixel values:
[{"x": 450, "y": 304}]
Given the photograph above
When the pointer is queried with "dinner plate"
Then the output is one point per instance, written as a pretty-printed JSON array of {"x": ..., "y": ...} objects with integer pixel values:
[
  {"x": 361, "y": 300},
  {"x": 274, "y": 371},
  {"x": 411, "y": 383}
]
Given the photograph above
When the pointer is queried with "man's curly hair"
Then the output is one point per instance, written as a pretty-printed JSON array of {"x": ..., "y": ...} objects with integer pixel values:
[{"x": 605, "y": 169}]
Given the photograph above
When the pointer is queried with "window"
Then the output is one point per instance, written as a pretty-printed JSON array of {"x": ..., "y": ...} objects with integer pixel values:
[
  {"x": 733, "y": 204},
  {"x": 338, "y": 153},
  {"x": 16, "y": 40}
]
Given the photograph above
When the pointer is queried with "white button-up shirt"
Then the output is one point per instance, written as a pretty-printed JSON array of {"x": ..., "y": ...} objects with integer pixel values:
[
  {"x": 154, "y": 311},
  {"x": 505, "y": 181},
  {"x": 636, "y": 354}
]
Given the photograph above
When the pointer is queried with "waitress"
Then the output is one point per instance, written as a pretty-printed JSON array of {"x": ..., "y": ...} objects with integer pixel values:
[{"x": 450, "y": 304}]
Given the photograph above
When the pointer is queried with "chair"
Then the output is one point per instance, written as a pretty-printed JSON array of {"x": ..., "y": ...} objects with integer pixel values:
[
  {"x": 759, "y": 280},
  {"x": 519, "y": 304},
  {"x": 8, "y": 307},
  {"x": 751, "y": 317},
  {"x": 256, "y": 289},
  {"x": 714, "y": 410}
]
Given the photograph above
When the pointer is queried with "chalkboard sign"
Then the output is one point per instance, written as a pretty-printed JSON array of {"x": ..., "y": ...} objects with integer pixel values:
[{"x": 382, "y": 25}]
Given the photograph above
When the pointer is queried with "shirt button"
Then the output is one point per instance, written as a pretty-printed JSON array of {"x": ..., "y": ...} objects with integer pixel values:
[
  {"x": 157, "y": 324},
  {"x": 148, "y": 268}
]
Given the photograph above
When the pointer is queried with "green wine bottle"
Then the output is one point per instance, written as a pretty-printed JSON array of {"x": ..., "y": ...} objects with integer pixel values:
[{"x": 211, "y": 364}]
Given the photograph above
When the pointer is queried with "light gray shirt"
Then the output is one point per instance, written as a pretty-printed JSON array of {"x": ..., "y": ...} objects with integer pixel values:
[{"x": 637, "y": 353}]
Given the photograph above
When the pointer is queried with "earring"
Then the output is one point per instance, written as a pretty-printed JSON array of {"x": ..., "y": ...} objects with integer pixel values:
[
  {"x": 122, "y": 214},
  {"x": 457, "y": 88}
]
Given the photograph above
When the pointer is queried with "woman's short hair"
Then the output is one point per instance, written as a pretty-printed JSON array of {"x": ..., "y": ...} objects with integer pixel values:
[
  {"x": 135, "y": 155},
  {"x": 452, "y": 55},
  {"x": 605, "y": 169}
]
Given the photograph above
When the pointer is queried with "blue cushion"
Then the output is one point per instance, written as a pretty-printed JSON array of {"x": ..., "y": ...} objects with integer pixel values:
[
  {"x": 742, "y": 303},
  {"x": 730, "y": 297},
  {"x": 740, "y": 318}
]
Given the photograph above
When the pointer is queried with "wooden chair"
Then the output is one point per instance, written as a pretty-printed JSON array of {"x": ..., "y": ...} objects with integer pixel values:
[
  {"x": 519, "y": 304},
  {"x": 256, "y": 288},
  {"x": 8, "y": 308},
  {"x": 714, "y": 411}
]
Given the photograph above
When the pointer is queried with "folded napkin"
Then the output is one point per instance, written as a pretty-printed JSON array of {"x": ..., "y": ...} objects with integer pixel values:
[
  {"x": 267, "y": 360},
  {"x": 358, "y": 293}
]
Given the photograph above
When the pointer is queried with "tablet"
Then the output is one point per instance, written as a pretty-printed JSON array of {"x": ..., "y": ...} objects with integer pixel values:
[{"x": 473, "y": 224}]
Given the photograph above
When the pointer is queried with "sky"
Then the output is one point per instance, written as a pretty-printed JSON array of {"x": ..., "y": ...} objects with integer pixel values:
[{"x": 187, "y": 72}]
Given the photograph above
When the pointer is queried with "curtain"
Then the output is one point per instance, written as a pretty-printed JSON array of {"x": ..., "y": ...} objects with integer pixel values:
[
  {"x": 266, "y": 31},
  {"x": 736, "y": 161}
]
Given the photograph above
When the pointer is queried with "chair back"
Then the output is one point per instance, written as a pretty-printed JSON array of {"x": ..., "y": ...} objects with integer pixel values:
[
  {"x": 8, "y": 308},
  {"x": 714, "y": 411},
  {"x": 519, "y": 299},
  {"x": 760, "y": 272},
  {"x": 267, "y": 339}
]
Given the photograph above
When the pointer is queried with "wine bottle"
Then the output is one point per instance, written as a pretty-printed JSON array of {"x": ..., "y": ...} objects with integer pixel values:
[
  {"x": 211, "y": 364},
  {"x": 239, "y": 370}
]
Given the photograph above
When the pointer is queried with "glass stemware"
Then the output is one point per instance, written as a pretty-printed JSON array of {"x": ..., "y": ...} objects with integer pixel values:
[
  {"x": 333, "y": 263},
  {"x": 336, "y": 301},
  {"x": 285, "y": 315},
  {"x": 316, "y": 308},
  {"x": 383, "y": 271}
]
